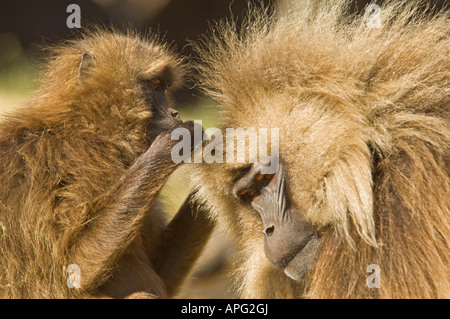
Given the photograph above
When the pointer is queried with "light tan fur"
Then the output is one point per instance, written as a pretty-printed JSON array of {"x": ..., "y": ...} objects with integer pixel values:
[{"x": 364, "y": 127}]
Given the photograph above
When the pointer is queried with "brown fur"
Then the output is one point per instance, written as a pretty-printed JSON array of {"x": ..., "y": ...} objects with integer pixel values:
[
  {"x": 364, "y": 127},
  {"x": 80, "y": 171}
]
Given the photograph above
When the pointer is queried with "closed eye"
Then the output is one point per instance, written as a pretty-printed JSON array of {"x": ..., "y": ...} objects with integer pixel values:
[
  {"x": 250, "y": 182},
  {"x": 247, "y": 195}
]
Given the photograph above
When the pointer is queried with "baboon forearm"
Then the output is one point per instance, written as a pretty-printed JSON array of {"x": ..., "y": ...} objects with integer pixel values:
[
  {"x": 119, "y": 214},
  {"x": 182, "y": 242}
]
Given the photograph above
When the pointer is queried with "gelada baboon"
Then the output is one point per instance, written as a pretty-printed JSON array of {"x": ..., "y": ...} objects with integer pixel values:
[
  {"x": 80, "y": 169},
  {"x": 361, "y": 196}
]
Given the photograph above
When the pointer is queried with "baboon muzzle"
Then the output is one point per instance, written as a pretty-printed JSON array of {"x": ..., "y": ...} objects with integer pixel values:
[{"x": 287, "y": 235}]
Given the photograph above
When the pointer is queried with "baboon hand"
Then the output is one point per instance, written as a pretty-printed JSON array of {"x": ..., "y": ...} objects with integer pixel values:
[
  {"x": 165, "y": 141},
  {"x": 194, "y": 128}
]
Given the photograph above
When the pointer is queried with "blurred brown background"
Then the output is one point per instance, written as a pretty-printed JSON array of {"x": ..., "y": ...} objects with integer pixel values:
[{"x": 27, "y": 24}]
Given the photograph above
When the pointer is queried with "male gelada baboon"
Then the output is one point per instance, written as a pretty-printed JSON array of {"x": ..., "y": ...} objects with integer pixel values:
[
  {"x": 361, "y": 196},
  {"x": 80, "y": 169}
]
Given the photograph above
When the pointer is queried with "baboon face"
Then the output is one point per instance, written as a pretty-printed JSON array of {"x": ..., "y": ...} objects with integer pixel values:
[
  {"x": 323, "y": 179},
  {"x": 290, "y": 241},
  {"x": 155, "y": 89}
]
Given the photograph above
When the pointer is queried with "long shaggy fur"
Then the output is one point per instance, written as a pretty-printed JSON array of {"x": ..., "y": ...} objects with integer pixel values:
[{"x": 364, "y": 125}]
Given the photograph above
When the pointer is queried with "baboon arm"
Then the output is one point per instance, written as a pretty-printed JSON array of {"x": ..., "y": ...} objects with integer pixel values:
[
  {"x": 182, "y": 243},
  {"x": 118, "y": 214}
]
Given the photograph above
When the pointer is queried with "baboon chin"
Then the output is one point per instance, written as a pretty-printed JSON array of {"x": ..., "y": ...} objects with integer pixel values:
[
  {"x": 363, "y": 116},
  {"x": 80, "y": 170}
]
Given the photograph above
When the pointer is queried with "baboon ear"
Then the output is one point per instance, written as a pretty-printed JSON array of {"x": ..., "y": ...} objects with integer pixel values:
[{"x": 87, "y": 60}]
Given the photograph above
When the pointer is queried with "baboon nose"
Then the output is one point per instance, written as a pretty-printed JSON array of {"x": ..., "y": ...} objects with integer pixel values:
[
  {"x": 269, "y": 230},
  {"x": 283, "y": 241}
]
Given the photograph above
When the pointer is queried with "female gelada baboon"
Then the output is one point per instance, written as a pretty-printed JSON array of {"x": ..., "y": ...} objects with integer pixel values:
[
  {"x": 80, "y": 168},
  {"x": 359, "y": 206}
]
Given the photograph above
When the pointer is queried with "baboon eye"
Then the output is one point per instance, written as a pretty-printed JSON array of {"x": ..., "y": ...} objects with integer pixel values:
[
  {"x": 157, "y": 85},
  {"x": 248, "y": 194},
  {"x": 264, "y": 177}
]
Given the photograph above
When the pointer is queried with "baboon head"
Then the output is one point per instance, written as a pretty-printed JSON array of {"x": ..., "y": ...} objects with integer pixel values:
[
  {"x": 323, "y": 178},
  {"x": 133, "y": 89},
  {"x": 324, "y": 173}
]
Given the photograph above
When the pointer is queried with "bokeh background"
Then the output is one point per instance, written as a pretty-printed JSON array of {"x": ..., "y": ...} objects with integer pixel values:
[{"x": 27, "y": 25}]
